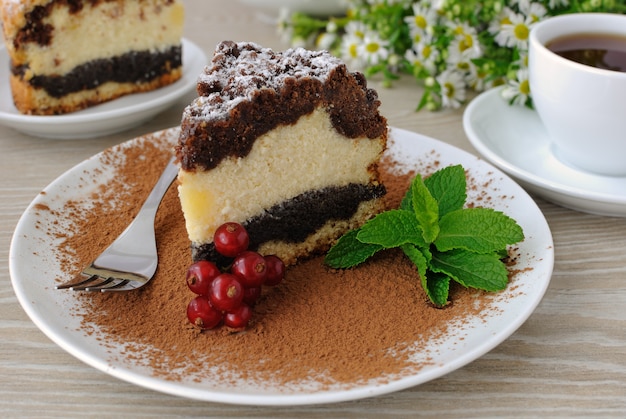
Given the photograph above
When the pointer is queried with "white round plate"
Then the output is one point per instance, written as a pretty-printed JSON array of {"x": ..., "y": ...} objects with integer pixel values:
[
  {"x": 117, "y": 115},
  {"x": 514, "y": 139},
  {"x": 311, "y": 7},
  {"x": 33, "y": 270}
]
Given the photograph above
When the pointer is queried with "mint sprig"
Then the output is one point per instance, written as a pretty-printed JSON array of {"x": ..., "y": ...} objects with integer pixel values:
[{"x": 445, "y": 240}]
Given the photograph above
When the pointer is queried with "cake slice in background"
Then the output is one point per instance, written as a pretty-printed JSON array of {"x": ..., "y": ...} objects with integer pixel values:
[
  {"x": 66, "y": 56},
  {"x": 285, "y": 143}
]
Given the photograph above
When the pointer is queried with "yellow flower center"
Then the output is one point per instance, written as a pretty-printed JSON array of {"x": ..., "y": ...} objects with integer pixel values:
[
  {"x": 448, "y": 89},
  {"x": 372, "y": 47},
  {"x": 352, "y": 50},
  {"x": 420, "y": 22},
  {"x": 466, "y": 43},
  {"x": 521, "y": 31},
  {"x": 524, "y": 87},
  {"x": 426, "y": 51}
]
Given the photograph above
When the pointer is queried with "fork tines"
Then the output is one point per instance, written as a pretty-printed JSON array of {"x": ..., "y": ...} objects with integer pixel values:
[{"x": 94, "y": 283}]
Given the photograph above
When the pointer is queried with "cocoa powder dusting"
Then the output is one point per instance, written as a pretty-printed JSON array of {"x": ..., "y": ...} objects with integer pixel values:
[{"x": 322, "y": 326}]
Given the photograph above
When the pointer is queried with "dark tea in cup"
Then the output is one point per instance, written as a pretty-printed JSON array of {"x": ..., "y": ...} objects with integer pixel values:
[{"x": 604, "y": 51}]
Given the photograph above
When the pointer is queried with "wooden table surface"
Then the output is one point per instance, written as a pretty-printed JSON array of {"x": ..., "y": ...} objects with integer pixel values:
[{"x": 568, "y": 359}]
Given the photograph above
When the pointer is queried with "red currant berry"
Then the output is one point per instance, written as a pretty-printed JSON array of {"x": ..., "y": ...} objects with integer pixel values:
[
  {"x": 226, "y": 292},
  {"x": 239, "y": 317},
  {"x": 230, "y": 239},
  {"x": 201, "y": 314},
  {"x": 275, "y": 270},
  {"x": 251, "y": 295},
  {"x": 200, "y": 275},
  {"x": 250, "y": 268}
]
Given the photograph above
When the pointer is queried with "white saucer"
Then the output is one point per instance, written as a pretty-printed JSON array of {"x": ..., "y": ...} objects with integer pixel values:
[
  {"x": 514, "y": 139},
  {"x": 114, "y": 116}
]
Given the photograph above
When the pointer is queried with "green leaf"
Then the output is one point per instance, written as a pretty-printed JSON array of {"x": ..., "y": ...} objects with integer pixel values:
[
  {"x": 435, "y": 285},
  {"x": 437, "y": 288},
  {"x": 448, "y": 186},
  {"x": 444, "y": 240},
  {"x": 407, "y": 201},
  {"x": 420, "y": 258},
  {"x": 474, "y": 270},
  {"x": 425, "y": 208},
  {"x": 391, "y": 229},
  {"x": 348, "y": 251},
  {"x": 480, "y": 230}
]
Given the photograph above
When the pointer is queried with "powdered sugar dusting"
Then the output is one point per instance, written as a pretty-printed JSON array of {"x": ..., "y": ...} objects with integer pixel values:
[
  {"x": 9, "y": 9},
  {"x": 239, "y": 70}
]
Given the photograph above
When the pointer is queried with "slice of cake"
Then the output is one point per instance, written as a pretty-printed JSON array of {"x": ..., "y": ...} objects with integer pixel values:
[
  {"x": 285, "y": 143},
  {"x": 68, "y": 55}
]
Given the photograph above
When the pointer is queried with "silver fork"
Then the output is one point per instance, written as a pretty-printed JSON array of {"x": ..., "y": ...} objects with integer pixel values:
[{"x": 131, "y": 260}]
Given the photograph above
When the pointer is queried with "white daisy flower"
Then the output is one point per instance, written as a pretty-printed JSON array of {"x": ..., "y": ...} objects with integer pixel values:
[
  {"x": 465, "y": 47},
  {"x": 356, "y": 29},
  {"x": 423, "y": 55},
  {"x": 438, "y": 5},
  {"x": 325, "y": 40},
  {"x": 373, "y": 49},
  {"x": 495, "y": 26},
  {"x": 518, "y": 90},
  {"x": 460, "y": 28},
  {"x": 459, "y": 62},
  {"x": 522, "y": 61},
  {"x": 515, "y": 34},
  {"x": 476, "y": 78},
  {"x": 535, "y": 11},
  {"x": 350, "y": 52},
  {"x": 452, "y": 88},
  {"x": 423, "y": 18}
]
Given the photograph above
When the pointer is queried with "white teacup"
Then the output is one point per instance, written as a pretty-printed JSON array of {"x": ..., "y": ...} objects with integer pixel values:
[{"x": 582, "y": 107}]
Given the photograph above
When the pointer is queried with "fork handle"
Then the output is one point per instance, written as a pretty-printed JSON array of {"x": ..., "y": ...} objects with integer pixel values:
[
  {"x": 158, "y": 191},
  {"x": 143, "y": 223}
]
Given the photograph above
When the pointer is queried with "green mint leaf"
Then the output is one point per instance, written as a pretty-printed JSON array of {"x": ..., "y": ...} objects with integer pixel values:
[
  {"x": 444, "y": 240},
  {"x": 420, "y": 258},
  {"x": 435, "y": 285},
  {"x": 437, "y": 288},
  {"x": 474, "y": 270},
  {"x": 502, "y": 253},
  {"x": 349, "y": 252},
  {"x": 480, "y": 230},
  {"x": 448, "y": 186},
  {"x": 425, "y": 208},
  {"x": 392, "y": 228},
  {"x": 407, "y": 201}
]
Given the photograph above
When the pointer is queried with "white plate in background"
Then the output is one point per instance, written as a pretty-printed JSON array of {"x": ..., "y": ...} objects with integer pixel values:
[
  {"x": 311, "y": 7},
  {"x": 107, "y": 118}
]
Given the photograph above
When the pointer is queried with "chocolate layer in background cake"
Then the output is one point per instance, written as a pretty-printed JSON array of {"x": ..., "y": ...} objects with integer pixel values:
[
  {"x": 68, "y": 55},
  {"x": 286, "y": 143}
]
